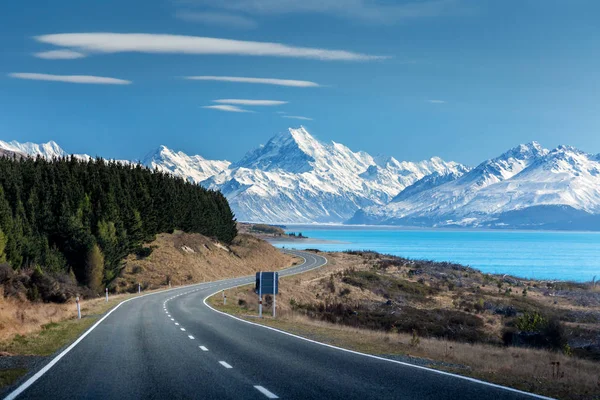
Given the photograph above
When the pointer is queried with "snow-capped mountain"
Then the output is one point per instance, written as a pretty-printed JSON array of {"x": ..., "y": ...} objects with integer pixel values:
[
  {"x": 193, "y": 168},
  {"x": 47, "y": 150},
  {"x": 296, "y": 178},
  {"x": 510, "y": 190}
]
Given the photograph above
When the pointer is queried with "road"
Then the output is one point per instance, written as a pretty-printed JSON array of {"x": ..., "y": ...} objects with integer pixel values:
[{"x": 171, "y": 345}]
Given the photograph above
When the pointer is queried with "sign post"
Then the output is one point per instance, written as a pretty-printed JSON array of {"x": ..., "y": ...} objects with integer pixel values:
[
  {"x": 260, "y": 295},
  {"x": 267, "y": 283}
]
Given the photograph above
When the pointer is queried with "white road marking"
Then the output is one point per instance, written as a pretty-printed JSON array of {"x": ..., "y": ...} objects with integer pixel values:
[
  {"x": 223, "y": 363},
  {"x": 191, "y": 337},
  {"x": 264, "y": 391},
  {"x": 176, "y": 323},
  {"x": 172, "y": 319},
  {"x": 183, "y": 329},
  {"x": 203, "y": 348},
  {"x": 169, "y": 315}
]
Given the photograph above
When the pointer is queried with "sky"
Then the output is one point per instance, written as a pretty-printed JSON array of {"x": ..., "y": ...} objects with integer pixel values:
[{"x": 461, "y": 79}]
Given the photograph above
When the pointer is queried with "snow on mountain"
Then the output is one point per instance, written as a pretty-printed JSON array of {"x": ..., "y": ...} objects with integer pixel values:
[
  {"x": 296, "y": 178},
  {"x": 193, "y": 168},
  {"x": 526, "y": 177},
  {"x": 46, "y": 150}
]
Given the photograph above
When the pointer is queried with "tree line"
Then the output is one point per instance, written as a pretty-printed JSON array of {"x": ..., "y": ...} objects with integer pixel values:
[{"x": 84, "y": 217}]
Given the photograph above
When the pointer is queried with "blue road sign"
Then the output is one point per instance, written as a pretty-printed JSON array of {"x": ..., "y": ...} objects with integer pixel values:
[{"x": 267, "y": 283}]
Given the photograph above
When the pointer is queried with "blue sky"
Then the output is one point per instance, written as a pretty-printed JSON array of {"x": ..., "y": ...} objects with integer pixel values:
[{"x": 460, "y": 79}]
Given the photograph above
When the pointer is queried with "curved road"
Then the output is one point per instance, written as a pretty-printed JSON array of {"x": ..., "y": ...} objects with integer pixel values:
[{"x": 171, "y": 345}]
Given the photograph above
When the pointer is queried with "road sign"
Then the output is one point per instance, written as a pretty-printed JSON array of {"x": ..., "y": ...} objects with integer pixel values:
[{"x": 267, "y": 283}]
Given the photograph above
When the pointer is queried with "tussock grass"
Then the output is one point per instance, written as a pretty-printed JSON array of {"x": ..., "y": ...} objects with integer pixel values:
[{"x": 545, "y": 372}]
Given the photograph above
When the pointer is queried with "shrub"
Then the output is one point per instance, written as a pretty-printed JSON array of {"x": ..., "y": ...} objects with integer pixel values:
[{"x": 143, "y": 252}]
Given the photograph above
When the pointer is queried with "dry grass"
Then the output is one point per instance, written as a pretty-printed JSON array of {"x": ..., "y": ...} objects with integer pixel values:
[
  {"x": 23, "y": 318},
  {"x": 532, "y": 370},
  {"x": 186, "y": 258},
  {"x": 525, "y": 369}
]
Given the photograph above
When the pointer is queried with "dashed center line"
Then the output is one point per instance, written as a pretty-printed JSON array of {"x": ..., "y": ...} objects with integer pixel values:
[
  {"x": 223, "y": 363},
  {"x": 264, "y": 391},
  {"x": 183, "y": 329},
  {"x": 176, "y": 323},
  {"x": 191, "y": 337},
  {"x": 203, "y": 348}
]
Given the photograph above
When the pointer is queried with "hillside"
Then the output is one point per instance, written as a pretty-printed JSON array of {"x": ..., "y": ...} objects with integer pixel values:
[{"x": 184, "y": 258}]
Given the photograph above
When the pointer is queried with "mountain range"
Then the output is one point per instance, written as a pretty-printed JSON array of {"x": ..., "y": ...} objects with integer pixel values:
[{"x": 295, "y": 178}]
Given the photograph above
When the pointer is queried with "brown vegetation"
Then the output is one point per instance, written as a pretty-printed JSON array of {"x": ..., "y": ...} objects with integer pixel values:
[{"x": 537, "y": 336}]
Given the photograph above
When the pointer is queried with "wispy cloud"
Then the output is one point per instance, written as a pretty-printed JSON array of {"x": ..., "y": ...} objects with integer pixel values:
[
  {"x": 177, "y": 44},
  {"x": 246, "y": 102},
  {"x": 59, "y": 55},
  {"x": 263, "y": 81},
  {"x": 297, "y": 117},
  {"x": 436, "y": 101},
  {"x": 98, "y": 80},
  {"x": 363, "y": 10},
  {"x": 217, "y": 18},
  {"x": 228, "y": 108}
]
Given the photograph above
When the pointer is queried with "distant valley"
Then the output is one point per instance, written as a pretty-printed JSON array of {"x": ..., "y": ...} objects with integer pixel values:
[{"x": 295, "y": 178}]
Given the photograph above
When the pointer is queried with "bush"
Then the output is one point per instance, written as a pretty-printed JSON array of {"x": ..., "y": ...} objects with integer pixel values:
[{"x": 143, "y": 252}]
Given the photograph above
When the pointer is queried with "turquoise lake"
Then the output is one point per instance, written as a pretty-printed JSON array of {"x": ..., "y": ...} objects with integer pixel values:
[{"x": 529, "y": 254}]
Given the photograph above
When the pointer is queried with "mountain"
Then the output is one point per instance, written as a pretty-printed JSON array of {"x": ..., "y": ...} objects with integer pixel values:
[
  {"x": 295, "y": 178},
  {"x": 193, "y": 168},
  {"x": 47, "y": 150},
  {"x": 526, "y": 187}
]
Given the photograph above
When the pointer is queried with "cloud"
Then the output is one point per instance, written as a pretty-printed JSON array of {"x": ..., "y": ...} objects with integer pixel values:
[
  {"x": 60, "y": 55},
  {"x": 99, "y": 80},
  {"x": 217, "y": 18},
  {"x": 110, "y": 43},
  {"x": 297, "y": 117},
  {"x": 228, "y": 108},
  {"x": 437, "y": 101},
  {"x": 263, "y": 81},
  {"x": 245, "y": 102},
  {"x": 364, "y": 10}
]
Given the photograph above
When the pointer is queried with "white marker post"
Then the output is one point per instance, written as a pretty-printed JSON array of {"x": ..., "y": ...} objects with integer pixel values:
[
  {"x": 224, "y": 298},
  {"x": 139, "y": 287},
  {"x": 107, "y": 295},
  {"x": 78, "y": 307},
  {"x": 260, "y": 295}
]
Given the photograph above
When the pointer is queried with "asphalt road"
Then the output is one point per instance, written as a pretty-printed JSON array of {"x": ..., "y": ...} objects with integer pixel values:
[{"x": 170, "y": 345}]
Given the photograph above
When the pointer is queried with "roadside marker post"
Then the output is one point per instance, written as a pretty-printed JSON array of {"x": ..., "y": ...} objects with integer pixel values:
[
  {"x": 107, "y": 295},
  {"x": 274, "y": 294},
  {"x": 78, "y": 307},
  {"x": 139, "y": 287},
  {"x": 224, "y": 298}
]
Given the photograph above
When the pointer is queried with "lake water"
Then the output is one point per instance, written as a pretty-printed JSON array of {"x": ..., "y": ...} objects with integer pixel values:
[{"x": 529, "y": 254}]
